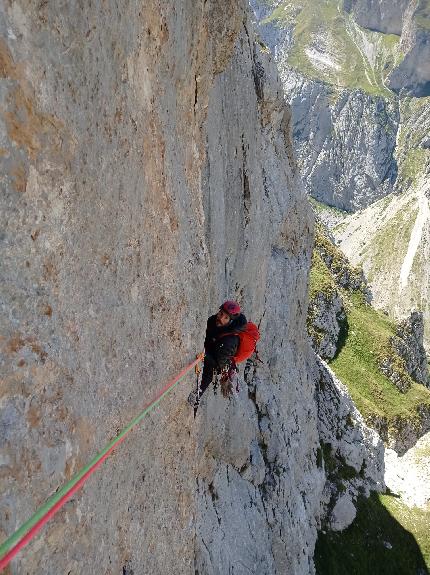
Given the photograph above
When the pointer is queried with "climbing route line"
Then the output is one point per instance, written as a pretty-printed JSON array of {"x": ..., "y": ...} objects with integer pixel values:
[{"x": 28, "y": 530}]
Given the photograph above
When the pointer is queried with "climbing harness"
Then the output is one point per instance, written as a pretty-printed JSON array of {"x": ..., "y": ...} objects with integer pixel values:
[
  {"x": 229, "y": 380},
  {"x": 30, "y": 528}
]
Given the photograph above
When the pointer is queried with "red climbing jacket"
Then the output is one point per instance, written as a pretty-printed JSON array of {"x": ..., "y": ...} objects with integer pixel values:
[{"x": 248, "y": 336}]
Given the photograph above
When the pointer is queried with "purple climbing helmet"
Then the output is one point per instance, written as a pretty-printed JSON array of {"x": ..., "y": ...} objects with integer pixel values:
[{"x": 232, "y": 308}]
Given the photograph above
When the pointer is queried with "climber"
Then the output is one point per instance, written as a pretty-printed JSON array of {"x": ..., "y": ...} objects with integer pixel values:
[{"x": 229, "y": 340}]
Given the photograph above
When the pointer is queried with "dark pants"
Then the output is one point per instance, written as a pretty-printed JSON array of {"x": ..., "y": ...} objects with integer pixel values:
[{"x": 209, "y": 371}]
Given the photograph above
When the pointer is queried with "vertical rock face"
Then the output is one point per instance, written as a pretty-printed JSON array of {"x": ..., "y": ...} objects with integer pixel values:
[
  {"x": 251, "y": 515},
  {"x": 345, "y": 142},
  {"x": 104, "y": 259},
  {"x": 148, "y": 173},
  {"x": 409, "y": 346},
  {"x": 352, "y": 454}
]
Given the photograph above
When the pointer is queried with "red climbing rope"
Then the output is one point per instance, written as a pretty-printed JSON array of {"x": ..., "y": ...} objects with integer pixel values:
[{"x": 28, "y": 530}]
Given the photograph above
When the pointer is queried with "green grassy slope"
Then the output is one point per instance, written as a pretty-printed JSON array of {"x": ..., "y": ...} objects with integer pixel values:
[
  {"x": 365, "y": 342},
  {"x": 357, "y": 366},
  {"x": 386, "y": 538}
]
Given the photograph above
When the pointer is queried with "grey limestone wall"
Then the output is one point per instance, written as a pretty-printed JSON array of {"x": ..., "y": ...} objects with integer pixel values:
[{"x": 147, "y": 173}]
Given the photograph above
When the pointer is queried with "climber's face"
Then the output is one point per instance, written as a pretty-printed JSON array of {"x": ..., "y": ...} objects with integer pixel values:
[{"x": 222, "y": 318}]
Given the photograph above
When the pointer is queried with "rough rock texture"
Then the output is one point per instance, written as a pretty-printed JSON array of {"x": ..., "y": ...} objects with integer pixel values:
[
  {"x": 103, "y": 237},
  {"x": 393, "y": 367},
  {"x": 147, "y": 174},
  {"x": 351, "y": 451},
  {"x": 251, "y": 515},
  {"x": 409, "y": 346},
  {"x": 331, "y": 275},
  {"x": 343, "y": 273},
  {"x": 326, "y": 314},
  {"x": 409, "y": 476},
  {"x": 345, "y": 145},
  {"x": 402, "y": 435}
]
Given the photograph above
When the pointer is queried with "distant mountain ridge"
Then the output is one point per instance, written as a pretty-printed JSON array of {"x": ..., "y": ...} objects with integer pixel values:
[
  {"x": 351, "y": 89},
  {"x": 356, "y": 75}
]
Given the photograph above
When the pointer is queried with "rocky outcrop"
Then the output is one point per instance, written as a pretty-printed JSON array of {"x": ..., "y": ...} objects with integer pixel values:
[
  {"x": 148, "y": 174},
  {"x": 331, "y": 273},
  {"x": 394, "y": 368},
  {"x": 326, "y": 319},
  {"x": 402, "y": 434},
  {"x": 351, "y": 453},
  {"x": 343, "y": 273},
  {"x": 245, "y": 458},
  {"x": 345, "y": 142},
  {"x": 409, "y": 346},
  {"x": 404, "y": 359}
]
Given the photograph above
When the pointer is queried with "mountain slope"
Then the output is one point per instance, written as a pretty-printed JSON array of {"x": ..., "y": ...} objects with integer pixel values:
[
  {"x": 382, "y": 364},
  {"x": 358, "y": 138},
  {"x": 390, "y": 239},
  {"x": 147, "y": 177},
  {"x": 344, "y": 66}
]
